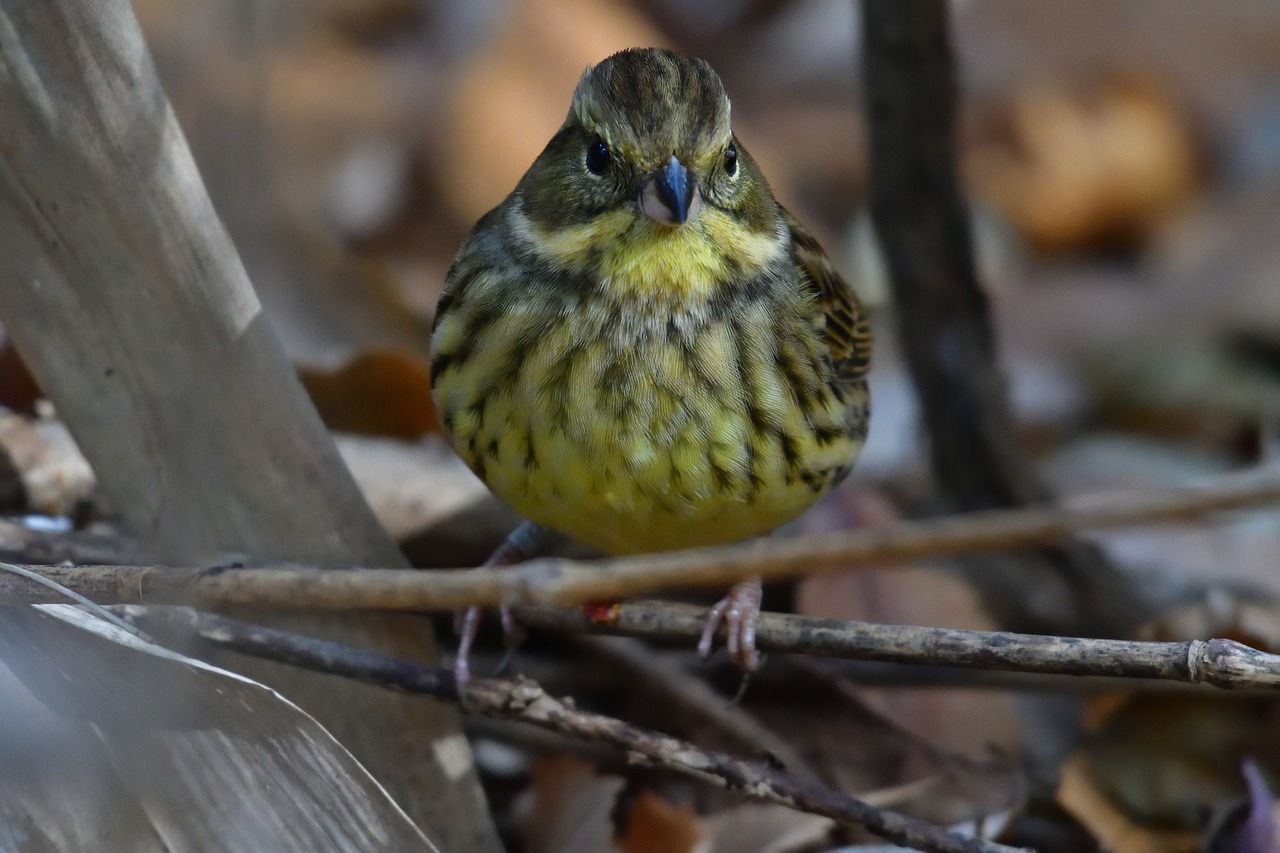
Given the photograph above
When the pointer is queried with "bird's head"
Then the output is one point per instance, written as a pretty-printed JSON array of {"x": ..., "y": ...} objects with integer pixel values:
[{"x": 646, "y": 154}]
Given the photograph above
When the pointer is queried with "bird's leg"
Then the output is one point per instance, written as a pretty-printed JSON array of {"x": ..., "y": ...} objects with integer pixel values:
[
  {"x": 738, "y": 611},
  {"x": 521, "y": 544}
]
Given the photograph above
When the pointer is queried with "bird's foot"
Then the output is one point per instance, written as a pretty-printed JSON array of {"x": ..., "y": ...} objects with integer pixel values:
[
  {"x": 466, "y": 624},
  {"x": 523, "y": 543},
  {"x": 738, "y": 611}
]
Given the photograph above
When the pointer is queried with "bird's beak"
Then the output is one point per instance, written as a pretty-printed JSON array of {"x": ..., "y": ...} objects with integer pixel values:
[{"x": 671, "y": 196}]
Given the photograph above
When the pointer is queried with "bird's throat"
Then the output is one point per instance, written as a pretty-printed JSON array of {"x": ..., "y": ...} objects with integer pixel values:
[{"x": 629, "y": 254}]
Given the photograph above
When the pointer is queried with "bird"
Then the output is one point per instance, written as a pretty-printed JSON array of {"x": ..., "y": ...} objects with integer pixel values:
[{"x": 640, "y": 347}]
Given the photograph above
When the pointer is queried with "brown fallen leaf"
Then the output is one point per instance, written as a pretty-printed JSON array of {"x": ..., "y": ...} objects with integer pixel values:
[
  {"x": 570, "y": 807},
  {"x": 1076, "y": 167},
  {"x": 379, "y": 392},
  {"x": 511, "y": 96},
  {"x": 658, "y": 826},
  {"x": 1156, "y": 768},
  {"x": 19, "y": 391},
  {"x": 859, "y": 750},
  {"x": 767, "y": 828},
  {"x": 964, "y": 721},
  {"x": 415, "y": 487},
  {"x": 1114, "y": 830}
]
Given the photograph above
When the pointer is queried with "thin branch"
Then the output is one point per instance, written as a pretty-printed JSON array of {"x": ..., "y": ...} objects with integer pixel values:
[
  {"x": 558, "y": 581},
  {"x": 913, "y": 676},
  {"x": 525, "y": 701},
  {"x": 922, "y": 222},
  {"x": 1221, "y": 663}
]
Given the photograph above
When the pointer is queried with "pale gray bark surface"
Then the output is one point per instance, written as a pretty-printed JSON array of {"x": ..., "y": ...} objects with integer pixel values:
[{"x": 124, "y": 294}]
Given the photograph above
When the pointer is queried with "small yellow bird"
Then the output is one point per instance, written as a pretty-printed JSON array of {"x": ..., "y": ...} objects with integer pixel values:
[{"x": 640, "y": 347}]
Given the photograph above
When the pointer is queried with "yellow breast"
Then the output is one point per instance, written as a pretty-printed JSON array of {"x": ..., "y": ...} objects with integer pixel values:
[{"x": 638, "y": 426}]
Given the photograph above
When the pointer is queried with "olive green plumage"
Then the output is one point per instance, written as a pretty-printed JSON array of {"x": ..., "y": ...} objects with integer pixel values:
[{"x": 640, "y": 347}]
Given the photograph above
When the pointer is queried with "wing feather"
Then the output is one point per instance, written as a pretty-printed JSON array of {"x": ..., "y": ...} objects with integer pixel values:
[{"x": 846, "y": 331}]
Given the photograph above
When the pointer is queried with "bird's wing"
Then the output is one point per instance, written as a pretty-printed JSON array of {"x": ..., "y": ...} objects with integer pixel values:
[{"x": 846, "y": 331}]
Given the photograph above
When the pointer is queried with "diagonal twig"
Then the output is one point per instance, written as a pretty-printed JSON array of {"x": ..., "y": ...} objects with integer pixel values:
[
  {"x": 558, "y": 581},
  {"x": 1221, "y": 663},
  {"x": 524, "y": 700}
]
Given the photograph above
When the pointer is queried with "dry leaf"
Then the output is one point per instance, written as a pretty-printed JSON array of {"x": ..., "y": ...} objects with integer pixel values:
[
  {"x": 1157, "y": 767},
  {"x": 1232, "y": 615},
  {"x": 515, "y": 93},
  {"x": 571, "y": 808},
  {"x": 1115, "y": 832},
  {"x": 964, "y": 721},
  {"x": 379, "y": 392},
  {"x": 657, "y": 826},
  {"x": 767, "y": 828},
  {"x": 868, "y": 755},
  {"x": 19, "y": 390},
  {"x": 1082, "y": 168}
]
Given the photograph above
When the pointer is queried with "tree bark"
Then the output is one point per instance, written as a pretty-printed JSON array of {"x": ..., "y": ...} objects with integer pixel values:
[{"x": 127, "y": 299}]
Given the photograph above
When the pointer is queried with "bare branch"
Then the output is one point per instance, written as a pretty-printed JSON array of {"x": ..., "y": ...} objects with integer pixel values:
[
  {"x": 556, "y": 581},
  {"x": 1221, "y": 663},
  {"x": 525, "y": 701},
  {"x": 945, "y": 329}
]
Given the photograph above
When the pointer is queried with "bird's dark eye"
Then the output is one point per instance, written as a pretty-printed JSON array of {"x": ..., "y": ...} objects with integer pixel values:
[
  {"x": 731, "y": 160},
  {"x": 598, "y": 158}
]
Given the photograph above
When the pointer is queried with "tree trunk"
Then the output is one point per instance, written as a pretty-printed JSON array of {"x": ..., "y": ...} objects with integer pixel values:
[{"x": 121, "y": 288}]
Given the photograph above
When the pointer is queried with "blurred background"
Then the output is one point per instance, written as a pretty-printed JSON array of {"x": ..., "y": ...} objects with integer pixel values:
[
  {"x": 1122, "y": 158},
  {"x": 1123, "y": 161}
]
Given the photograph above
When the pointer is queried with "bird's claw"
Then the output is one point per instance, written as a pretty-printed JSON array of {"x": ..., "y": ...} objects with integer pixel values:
[
  {"x": 466, "y": 623},
  {"x": 513, "y": 632},
  {"x": 523, "y": 542},
  {"x": 739, "y": 611}
]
